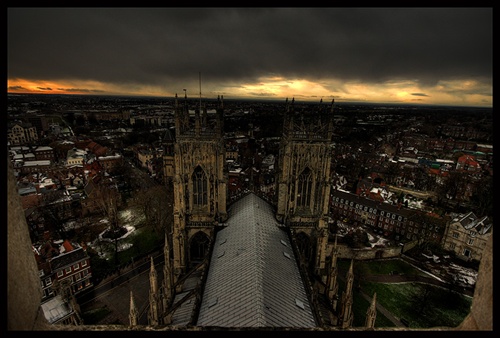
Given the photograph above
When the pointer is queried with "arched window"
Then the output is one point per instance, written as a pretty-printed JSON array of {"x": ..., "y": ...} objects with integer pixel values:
[
  {"x": 307, "y": 250},
  {"x": 304, "y": 245},
  {"x": 304, "y": 188},
  {"x": 199, "y": 187},
  {"x": 198, "y": 248}
]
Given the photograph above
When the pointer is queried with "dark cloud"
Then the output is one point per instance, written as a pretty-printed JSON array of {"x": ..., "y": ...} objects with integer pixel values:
[
  {"x": 15, "y": 88},
  {"x": 165, "y": 45},
  {"x": 80, "y": 90}
]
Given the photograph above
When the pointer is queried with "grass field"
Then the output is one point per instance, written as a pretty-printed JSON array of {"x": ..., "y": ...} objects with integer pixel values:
[{"x": 422, "y": 305}]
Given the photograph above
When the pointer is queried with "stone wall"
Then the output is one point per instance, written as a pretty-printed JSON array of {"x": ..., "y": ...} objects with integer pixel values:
[
  {"x": 24, "y": 293},
  {"x": 368, "y": 253}
]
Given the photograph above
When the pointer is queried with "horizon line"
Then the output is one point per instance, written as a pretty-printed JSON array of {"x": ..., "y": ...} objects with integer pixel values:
[{"x": 337, "y": 101}]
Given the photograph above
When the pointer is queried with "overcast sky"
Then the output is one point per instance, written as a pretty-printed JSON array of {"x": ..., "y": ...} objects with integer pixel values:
[{"x": 411, "y": 55}]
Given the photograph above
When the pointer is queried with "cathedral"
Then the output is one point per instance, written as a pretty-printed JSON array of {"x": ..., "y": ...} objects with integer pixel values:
[{"x": 251, "y": 263}]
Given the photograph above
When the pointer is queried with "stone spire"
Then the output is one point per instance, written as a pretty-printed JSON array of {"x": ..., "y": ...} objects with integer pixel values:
[
  {"x": 154, "y": 303},
  {"x": 350, "y": 277},
  {"x": 332, "y": 286},
  {"x": 153, "y": 277},
  {"x": 134, "y": 313},
  {"x": 371, "y": 313},
  {"x": 346, "y": 315},
  {"x": 167, "y": 276}
]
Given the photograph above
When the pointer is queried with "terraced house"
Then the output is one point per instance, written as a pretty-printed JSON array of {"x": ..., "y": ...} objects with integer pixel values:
[
  {"x": 393, "y": 221},
  {"x": 467, "y": 235}
]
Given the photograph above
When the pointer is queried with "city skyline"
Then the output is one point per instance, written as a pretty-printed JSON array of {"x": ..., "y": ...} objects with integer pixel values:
[{"x": 437, "y": 56}]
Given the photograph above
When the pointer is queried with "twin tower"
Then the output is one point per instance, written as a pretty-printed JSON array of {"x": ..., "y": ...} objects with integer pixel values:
[{"x": 201, "y": 179}]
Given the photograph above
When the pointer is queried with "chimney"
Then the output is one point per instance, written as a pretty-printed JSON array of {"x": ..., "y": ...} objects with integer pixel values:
[{"x": 67, "y": 246}]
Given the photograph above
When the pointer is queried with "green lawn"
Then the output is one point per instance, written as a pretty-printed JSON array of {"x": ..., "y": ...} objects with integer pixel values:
[
  {"x": 424, "y": 306},
  {"x": 360, "y": 307},
  {"x": 143, "y": 240}
]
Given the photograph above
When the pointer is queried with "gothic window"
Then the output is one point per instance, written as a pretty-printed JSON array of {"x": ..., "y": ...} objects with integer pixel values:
[
  {"x": 199, "y": 247},
  {"x": 318, "y": 199},
  {"x": 304, "y": 246},
  {"x": 199, "y": 187},
  {"x": 304, "y": 188}
]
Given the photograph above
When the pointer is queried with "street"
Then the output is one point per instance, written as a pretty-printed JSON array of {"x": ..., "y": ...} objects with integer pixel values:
[{"x": 113, "y": 293}]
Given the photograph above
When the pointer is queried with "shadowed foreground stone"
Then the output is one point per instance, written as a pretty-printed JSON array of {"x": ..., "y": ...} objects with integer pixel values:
[
  {"x": 24, "y": 292},
  {"x": 481, "y": 315}
]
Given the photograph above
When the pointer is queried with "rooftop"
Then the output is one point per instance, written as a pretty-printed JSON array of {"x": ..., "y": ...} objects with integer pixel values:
[{"x": 254, "y": 280}]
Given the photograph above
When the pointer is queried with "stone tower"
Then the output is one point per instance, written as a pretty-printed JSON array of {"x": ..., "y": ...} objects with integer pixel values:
[
  {"x": 304, "y": 180},
  {"x": 200, "y": 182}
]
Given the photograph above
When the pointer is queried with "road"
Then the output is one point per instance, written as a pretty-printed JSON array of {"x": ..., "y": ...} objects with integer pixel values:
[
  {"x": 142, "y": 178},
  {"x": 113, "y": 293}
]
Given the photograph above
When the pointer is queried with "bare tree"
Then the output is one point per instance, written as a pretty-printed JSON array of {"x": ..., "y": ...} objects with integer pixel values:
[
  {"x": 157, "y": 204},
  {"x": 453, "y": 185},
  {"x": 107, "y": 200},
  {"x": 392, "y": 172},
  {"x": 54, "y": 210},
  {"x": 482, "y": 196},
  {"x": 421, "y": 179}
]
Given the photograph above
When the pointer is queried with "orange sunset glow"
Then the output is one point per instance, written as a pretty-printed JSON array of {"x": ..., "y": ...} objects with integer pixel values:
[
  {"x": 21, "y": 86},
  {"x": 274, "y": 87}
]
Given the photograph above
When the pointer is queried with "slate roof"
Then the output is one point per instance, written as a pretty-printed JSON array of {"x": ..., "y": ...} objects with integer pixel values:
[
  {"x": 55, "y": 309},
  {"x": 68, "y": 258},
  {"x": 383, "y": 206},
  {"x": 253, "y": 279},
  {"x": 182, "y": 315},
  {"x": 471, "y": 221}
]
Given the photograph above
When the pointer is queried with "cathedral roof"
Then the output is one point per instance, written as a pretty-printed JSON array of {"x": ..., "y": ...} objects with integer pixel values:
[{"x": 253, "y": 279}]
